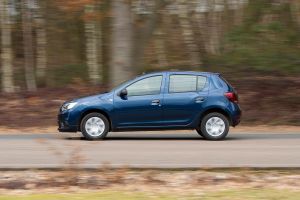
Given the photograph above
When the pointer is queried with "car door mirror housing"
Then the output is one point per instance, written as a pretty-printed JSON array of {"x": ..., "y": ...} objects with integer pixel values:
[{"x": 123, "y": 93}]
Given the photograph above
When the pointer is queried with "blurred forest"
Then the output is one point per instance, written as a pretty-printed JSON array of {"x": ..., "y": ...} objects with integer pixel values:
[{"x": 52, "y": 46}]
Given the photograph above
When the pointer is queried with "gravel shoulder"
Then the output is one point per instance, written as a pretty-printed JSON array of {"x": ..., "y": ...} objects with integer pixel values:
[{"x": 158, "y": 184}]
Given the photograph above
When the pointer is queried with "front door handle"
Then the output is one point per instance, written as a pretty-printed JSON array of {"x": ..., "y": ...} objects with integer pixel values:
[
  {"x": 155, "y": 102},
  {"x": 199, "y": 99}
]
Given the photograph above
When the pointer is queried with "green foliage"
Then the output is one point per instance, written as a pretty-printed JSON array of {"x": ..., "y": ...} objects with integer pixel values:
[{"x": 266, "y": 41}]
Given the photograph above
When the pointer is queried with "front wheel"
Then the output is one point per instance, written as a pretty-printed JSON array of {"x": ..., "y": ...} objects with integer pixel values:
[
  {"x": 94, "y": 126},
  {"x": 214, "y": 126}
]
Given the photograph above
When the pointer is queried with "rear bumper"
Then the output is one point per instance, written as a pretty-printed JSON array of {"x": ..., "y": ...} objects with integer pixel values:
[{"x": 236, "y": 118}]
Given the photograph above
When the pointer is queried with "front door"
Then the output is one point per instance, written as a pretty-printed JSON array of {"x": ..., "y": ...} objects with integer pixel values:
[{"x": 141, "y": 107}]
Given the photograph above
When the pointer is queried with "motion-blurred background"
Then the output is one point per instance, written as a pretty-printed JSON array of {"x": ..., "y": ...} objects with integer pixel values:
[{"x": 54, "y": 50}]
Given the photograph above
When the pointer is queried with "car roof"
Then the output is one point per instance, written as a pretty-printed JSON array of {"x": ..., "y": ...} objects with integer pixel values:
[
  {"x": 145, "y": 75},
  {"x": 181, "y": 72}
]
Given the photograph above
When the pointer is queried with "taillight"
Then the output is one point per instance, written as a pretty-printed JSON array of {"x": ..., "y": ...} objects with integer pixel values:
[{"x": 231, "y": 96}]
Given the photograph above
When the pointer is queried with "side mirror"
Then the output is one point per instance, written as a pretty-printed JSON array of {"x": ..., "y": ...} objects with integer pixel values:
[{"x": 123, "y": 93}]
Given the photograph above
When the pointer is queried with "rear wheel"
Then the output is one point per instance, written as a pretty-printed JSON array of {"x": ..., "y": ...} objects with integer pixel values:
[
  {"x": 94, "y": 126},
  {"x": 214, "y": 126}
]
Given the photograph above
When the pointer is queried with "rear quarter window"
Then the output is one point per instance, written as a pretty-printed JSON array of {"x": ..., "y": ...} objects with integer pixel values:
[{"x": 201, "y": 82}]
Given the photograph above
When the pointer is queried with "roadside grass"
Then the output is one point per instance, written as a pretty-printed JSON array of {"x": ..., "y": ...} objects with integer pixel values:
[
  {"x": 107, "y": 195},
  {"x": 253, "y": 194},
  {"x": 237, "y": 194}
]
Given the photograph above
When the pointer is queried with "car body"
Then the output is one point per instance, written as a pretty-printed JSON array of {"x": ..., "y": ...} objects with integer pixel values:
[{"x": 161, "y": 100}]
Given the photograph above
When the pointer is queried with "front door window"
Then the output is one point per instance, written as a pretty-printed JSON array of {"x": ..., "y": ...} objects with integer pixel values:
[{"x": 147, "y": 86}]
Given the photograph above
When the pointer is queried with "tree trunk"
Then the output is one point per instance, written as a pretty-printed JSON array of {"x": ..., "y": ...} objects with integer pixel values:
[
  {"x": 6, "y": 51},
  {"x": 239, "y": 12},
  {"x": 203, "y": 23},
  {"x": 188, "y": 34},
  {"x": 100, "y": 51},
  {"x": 159, "y": 42},
  {"x": 214, "y": 24},
  {"x": 121, "y": 42},
  {"x": 200, "y": 27},
  {"x": 295, "y": 8},
  {"x": 92, "y": 40},
  {"x": 28, "y": 46},
  {"x": 142, "y": 34},
  {"x": 41, "y": 44},
  {"x": 160, "y": 49}
]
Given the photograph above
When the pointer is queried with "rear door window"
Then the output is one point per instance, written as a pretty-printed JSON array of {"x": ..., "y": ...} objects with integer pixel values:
[{"x": 186, "y": 83}]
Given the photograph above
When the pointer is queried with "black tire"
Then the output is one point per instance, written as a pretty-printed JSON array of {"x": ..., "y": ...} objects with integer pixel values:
[
  {"x": 208, "y": 136},
  {"x": 199, "y": 132},
  {"x": 85, "y": 132}
]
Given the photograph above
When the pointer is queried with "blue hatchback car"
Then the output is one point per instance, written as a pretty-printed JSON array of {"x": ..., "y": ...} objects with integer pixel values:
[{"x": 163, "y": 100}]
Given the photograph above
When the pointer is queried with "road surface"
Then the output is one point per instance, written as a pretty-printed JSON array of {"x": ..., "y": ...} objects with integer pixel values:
[{"x": 171, "y": 149}]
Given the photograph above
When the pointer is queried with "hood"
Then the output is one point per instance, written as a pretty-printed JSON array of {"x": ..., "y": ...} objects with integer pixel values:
[{"x": 90, "y": 98}]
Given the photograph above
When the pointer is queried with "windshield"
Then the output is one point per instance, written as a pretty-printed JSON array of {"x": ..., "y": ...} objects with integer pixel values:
[{"x": 121, "y": 85}]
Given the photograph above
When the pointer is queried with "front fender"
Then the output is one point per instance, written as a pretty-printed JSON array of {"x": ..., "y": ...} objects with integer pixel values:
[{"x": 102, "y": 106}]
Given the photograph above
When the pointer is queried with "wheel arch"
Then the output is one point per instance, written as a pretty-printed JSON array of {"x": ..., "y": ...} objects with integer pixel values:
[
  {"x": 94, "y": 110},
  {"x": 218, "y": 110}
]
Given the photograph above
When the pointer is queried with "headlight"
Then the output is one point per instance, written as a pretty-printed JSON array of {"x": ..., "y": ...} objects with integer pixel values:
[{"x": 68, "y": 106}]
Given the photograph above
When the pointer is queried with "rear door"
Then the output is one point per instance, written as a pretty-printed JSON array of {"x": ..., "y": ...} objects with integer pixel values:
[{"x": 184, "y": 97}]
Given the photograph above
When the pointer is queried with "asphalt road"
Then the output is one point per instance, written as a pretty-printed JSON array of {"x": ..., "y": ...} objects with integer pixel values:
[{"x": 172, "y": 149}]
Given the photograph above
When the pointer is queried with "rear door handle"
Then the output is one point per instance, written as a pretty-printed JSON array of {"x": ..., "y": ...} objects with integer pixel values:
[
  {"x": 199, "y": 99},
  {"x": 155, "y": 102}
]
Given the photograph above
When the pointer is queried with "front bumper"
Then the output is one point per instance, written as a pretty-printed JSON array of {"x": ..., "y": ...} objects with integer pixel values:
[{"x": 63, "y": 124}]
